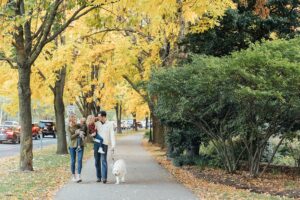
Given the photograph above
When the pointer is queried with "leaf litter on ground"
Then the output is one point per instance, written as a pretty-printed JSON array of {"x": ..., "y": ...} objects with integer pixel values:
[
  {"x": 206, "y": 188},
  {"x": 51, "y": 172}
]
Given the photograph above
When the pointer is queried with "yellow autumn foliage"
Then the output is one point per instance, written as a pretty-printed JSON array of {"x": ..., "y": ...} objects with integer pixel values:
[{"x": 123, "y": 39}]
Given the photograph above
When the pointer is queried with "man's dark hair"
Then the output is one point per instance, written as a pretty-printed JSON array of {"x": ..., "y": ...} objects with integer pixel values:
[{"x": 102, "y": 113}]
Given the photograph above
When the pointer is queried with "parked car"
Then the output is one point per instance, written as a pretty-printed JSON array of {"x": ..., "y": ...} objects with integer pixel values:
[
  {"x": 35, "y": 131},
  {"x": 139, "y": 124},
  {"x": 124, "y": 125},
  {"x": 143, "y": 124},
  {"x": 9, "y": 134},
  {"x": 130, "y": 124},
  {"x": 47, "y": 128}
]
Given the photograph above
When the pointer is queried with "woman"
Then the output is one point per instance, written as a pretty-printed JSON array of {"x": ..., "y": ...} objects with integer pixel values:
[{"x": 74, "y": 134}]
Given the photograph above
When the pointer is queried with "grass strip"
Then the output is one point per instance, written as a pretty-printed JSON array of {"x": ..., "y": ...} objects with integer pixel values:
[{"x": 51, "y": 172}]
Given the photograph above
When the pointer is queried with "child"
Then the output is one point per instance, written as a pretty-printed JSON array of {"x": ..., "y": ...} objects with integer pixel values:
[
  {"x": 82, "y": 133},
  {"x": 80, "y": 139},
  {"x": 92, "y": 129}
]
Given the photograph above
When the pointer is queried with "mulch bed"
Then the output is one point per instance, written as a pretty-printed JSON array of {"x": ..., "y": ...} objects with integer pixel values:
[{"x": 273, "y": 184}]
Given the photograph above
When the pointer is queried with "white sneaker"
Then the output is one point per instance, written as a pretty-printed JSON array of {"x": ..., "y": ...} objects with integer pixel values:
[
  {"x": 79, "y": 178},
  {"x": 74, "y": 178},
  {"x": 100, "y": 150}
]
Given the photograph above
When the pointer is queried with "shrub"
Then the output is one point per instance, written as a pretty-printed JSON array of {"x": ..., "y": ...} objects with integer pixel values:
[
  {"x": 147, "y": 134},
  {"x": 284, "y": 160},
  {"x": 183, "y": 160},
  {"x": 252, "y": 95}
]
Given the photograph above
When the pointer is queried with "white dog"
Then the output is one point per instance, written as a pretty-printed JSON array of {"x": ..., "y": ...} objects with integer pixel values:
[{"x": 119, "y": 171}]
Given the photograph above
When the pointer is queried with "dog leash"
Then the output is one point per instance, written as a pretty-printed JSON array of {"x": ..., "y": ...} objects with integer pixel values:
[{"x": 113, "y": 156}]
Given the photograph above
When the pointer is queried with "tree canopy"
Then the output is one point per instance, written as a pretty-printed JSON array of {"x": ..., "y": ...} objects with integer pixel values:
[{"x": 250, "y": 22}]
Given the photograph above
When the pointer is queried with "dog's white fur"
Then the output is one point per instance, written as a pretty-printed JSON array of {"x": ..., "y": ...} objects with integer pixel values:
[{"x": 119, "y": 171}]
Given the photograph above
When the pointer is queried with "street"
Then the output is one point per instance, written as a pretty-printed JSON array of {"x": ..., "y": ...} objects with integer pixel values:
[{"x": 8, "y": 149}]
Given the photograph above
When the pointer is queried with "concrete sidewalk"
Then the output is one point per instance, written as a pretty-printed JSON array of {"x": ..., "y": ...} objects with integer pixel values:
[{"x": 146, "y": 180}]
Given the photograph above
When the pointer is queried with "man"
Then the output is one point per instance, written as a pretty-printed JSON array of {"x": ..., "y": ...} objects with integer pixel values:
[{"x": 106, "y": 130}]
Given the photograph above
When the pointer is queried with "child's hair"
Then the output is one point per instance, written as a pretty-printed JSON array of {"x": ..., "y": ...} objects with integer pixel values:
[{"x": 90, "y": 119}]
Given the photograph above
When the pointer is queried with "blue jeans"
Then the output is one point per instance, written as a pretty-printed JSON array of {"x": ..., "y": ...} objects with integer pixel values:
[
  {"x": 73, "y": 159},
  {"x": 100, "y": 139},
  {"x": 100, "y": 161}
]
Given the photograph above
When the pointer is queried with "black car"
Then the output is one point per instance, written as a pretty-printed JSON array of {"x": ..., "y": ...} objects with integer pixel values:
[{"x": 47, "y": 128}]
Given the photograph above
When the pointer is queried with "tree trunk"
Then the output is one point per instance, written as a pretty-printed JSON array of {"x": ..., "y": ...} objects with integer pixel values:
[
  {"x": 179, "y": 46},
  {"x": 25, "y": 57},
  {"x": 150, "y": 131},
  {"x": 298, "y": 164},
  {"x": 96, "y": 108},
  {"x": 158, "y": 131},
  {"x": 135, "y": 128},
  {"x": 59, "y": 108},
  {"x": 26, "y": 155},
  {"x": 147, "y": 123},
  {"x": 119, "y": 127},
  {"x": 193, "y": 150},
  {"x": 83, "y": 105},
  {"x": 118, "y": 109}
]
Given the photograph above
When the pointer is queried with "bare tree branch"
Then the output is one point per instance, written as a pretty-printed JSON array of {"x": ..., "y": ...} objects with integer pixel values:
[
  {"x": 10, "y": 62},
  {"x": 80, "y": 107},
  {"x": 131, "y": 83},
  {"x": 46, "y": 30},
  {"x": 41, "y": 28},
  {"x": 74, "y": 17},
  {"x": 44, "y": 78},
  {"x": 120, "y": 30},
  {"x": 80, "y": 12}
]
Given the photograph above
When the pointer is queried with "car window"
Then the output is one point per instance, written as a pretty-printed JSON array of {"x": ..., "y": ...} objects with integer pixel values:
[{"x": 41, "y": 124}]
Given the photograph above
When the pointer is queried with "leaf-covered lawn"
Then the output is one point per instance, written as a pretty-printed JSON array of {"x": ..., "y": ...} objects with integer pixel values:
[
  {"x": 272, "y": 183},
  {"x": 204, "y": 189},
  {"x": 51, "y": 171}
]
